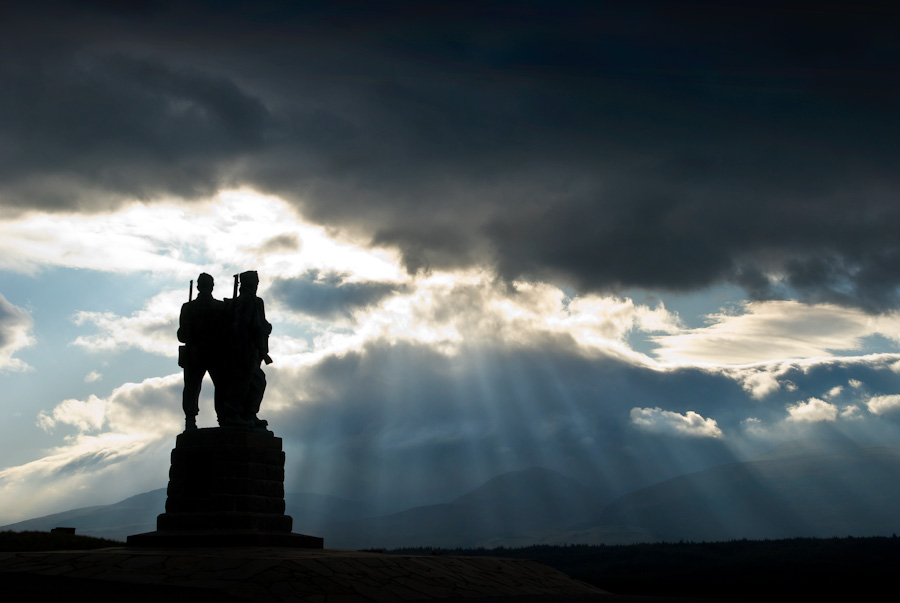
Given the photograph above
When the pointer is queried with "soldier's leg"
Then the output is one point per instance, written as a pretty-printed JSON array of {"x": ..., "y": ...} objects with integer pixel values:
[
  {"x": 223, "y": 382},
  {"x": 190, "y": 400},
  {"x": 232, "y": 402},
  {"x": 256, "y": 389}
]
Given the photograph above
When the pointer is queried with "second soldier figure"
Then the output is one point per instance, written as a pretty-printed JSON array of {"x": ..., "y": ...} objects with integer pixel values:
[{"x": 200, "y": 330}]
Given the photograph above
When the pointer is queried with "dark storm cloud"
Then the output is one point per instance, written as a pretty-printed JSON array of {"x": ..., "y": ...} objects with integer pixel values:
[
  {"x": 121, "y": 125},
  {"x": 282, "y": 243},
  {"x": 329, "y": 296},
  {"x": 608, "y": 147}
]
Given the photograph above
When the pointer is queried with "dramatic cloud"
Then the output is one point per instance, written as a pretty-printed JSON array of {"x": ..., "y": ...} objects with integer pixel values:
[
  {"x": 488, "y": 236},
  {"x": 330, "y": 296},
  {"x": 15, "y": 334},
  {"x": 151, "y": 408},
  {"x": 452, "y": 311},
  {"x": 627, "y": 148},
  {"x": 764, "y": 331},
  {"x": 657, "y": 420},
  {"x": 150, "y": 329},
  {"x": 813, "y": 410},
  {"x": 84, "y": 416},
  {"x": 130, "y": 128},
  {"x": 234, "y": 230},
  {"x": 139, "y": 239},
  {"x": 763, "y": 380},
  {"x": 119, "y": 447},
  {"x": 883, "y": 404}
]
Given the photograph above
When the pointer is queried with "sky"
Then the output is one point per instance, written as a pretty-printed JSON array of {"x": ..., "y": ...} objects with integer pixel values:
[{"x": 621, "y": 241}]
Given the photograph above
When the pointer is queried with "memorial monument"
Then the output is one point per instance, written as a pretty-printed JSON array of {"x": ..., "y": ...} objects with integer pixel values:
[{"x": 226, "y": 483}]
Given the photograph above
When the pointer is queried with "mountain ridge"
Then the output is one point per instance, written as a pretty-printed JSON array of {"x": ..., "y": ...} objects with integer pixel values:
[{"x": 792, "y": 491}]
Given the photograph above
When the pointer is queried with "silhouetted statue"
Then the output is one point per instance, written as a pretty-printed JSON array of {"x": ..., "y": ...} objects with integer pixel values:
[
  {"x": 200, "y": 330},
  {"x": 249, "y": 346},
  {"x": 226, "y": 485}
]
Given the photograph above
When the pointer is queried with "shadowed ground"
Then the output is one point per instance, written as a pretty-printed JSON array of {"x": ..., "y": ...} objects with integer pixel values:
[{"x": 267, "y": 574}]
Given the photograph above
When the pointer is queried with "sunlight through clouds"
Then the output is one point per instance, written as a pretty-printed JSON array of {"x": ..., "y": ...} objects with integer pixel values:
[
  {"x": 138, "y": 238},
  {"x": 234, "y": 229},
  {"x": 276, "y": 241},
  {"x": 335, "y": 302},
  {"x": 447, "y": 311},
  {"x": 471, "y": 263}
]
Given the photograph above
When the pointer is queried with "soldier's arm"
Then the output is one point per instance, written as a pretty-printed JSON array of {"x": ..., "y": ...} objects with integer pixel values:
[
  {"x": 183, "y": 325},
  {"x": 267, "y": 327}
]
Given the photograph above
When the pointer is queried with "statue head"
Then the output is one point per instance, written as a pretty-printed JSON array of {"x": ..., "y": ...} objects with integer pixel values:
[
  {"x": 249, "y": 282},
  {"x": 205, "y": 283}
]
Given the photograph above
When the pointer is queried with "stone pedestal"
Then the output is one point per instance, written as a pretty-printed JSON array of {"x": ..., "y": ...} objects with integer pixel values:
[{"x": 226, "y": 488}]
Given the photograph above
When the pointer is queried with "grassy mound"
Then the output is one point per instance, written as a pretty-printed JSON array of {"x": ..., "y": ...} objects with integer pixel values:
[{"x": 45, "y": 541}]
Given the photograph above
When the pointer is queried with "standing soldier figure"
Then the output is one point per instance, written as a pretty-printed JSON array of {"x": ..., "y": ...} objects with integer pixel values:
[
  {"x": 250, "y": 347},
  {"x": 200, "y": 330}
]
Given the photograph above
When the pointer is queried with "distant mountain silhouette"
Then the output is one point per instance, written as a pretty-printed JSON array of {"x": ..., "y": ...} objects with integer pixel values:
[
  {"x": 311, "y": 511},
  {"x": 444, "y": 525},
  {"x": 133, "y": 515},
  {"x": 800, "y": 489},
  {"x": 534, "y": 499},
  {"x": 508, "y": 507},
  {"x": 514, "y": 506}
]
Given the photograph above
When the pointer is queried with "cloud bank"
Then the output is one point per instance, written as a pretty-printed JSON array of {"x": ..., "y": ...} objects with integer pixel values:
[{"x": 604, "y": 149}]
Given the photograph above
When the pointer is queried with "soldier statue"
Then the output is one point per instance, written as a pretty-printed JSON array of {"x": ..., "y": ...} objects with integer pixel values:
[
  {"x": 200, "y": 330},
  {"x": 249, "y": 346},
  {"x": 228, "y": 339}
]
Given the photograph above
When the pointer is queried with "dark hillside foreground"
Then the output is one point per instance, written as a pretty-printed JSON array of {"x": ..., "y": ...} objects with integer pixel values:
[
  {"x": 45, "y": 541},
  {"x": 790, "y": 569}
]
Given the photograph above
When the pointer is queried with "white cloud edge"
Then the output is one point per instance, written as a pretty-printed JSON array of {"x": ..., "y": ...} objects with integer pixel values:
[{"x": 659, "y": 421}]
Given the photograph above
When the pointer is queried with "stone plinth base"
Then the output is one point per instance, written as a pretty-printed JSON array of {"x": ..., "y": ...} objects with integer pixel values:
[
  {"x": 226, "y": 488},
  {"x": 224, "y": 538}
]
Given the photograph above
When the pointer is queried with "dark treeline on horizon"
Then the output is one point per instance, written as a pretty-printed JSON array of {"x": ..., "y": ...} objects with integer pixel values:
[{"x": 738, "y": 569}]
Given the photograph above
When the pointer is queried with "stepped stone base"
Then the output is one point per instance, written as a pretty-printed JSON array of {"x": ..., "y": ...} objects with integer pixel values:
[
  {"x": 224, "y": 538},
  {"x": 226, "y": 488}
]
